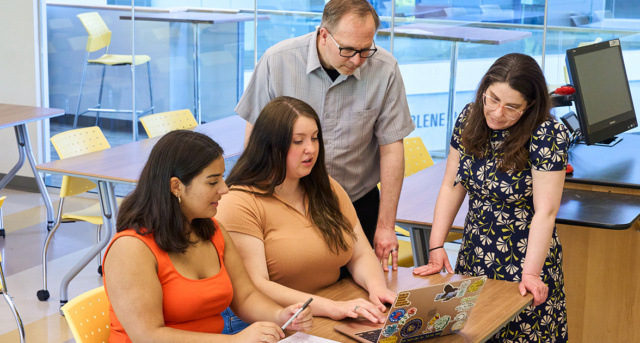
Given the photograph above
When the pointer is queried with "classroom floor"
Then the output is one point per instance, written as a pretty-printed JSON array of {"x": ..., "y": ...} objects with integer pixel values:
[{"x": 24, "y": 215}]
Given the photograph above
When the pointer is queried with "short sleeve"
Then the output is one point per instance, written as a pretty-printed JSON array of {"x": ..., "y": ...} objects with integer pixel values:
[
  {"x": 394, "y": 122},
  {"x": 346, "y": 206},
  {"x": 257, "y": 94},
  {"x": 239, "y": 211},
  {"x": 456, "y": 135},
  {"x": 549, "y": 144}
]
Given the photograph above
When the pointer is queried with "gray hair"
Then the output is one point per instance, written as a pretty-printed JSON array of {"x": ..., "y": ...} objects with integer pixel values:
[{"x": 334, "y": 10}]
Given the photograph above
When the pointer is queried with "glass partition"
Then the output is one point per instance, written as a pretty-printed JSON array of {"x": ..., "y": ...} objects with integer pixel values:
[{"x": 202, "y": 52}]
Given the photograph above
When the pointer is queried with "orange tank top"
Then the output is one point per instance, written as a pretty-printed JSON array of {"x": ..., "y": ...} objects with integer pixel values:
[{"x": 187, "y": 304}]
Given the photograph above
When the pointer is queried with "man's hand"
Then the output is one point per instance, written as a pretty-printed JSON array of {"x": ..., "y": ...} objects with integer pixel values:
[{"x": 385, "y": 243}]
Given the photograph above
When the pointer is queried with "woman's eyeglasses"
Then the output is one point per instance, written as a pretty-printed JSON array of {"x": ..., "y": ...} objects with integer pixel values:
[{"x": 493, "y": 104}]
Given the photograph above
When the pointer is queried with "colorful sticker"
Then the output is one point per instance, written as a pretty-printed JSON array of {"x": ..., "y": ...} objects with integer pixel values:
[
  {"x": 392, "y": 339},
  {"x": 390, "y": 330},
  {"x": 402, "y": 300},
  {"x": 441, "y": 323},
  {"x": 396, "y": 315},
  {"x": 430, "y": 324},
  {"x": 476, "y": 285},
  {"x": 463, "y": 288},
  {"x": 412, "y": 311},
  {"x": 460, "y": 316},
  {"x": 448, "y": 294},
  {"x": 457, "y": 326},
  {"x": 464, "y": 307},
  {"x": 469, "y": 299},
  {"x": 411, "y": 327}
]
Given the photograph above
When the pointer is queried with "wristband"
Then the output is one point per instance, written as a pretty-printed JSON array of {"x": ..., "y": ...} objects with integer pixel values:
[{"x": 436, "y": 248}]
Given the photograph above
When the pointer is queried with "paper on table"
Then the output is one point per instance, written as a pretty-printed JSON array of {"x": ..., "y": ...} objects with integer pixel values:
[{"x": 300, "y": 337}]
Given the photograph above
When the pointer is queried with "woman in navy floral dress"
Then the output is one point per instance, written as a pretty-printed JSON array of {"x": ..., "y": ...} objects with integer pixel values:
[{"x": 509, "y": 155}]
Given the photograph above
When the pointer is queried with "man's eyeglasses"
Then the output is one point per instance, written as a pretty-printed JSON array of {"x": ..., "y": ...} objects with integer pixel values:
[
  {"x": 348, "y": 52},
  {"x": 493, "y": 104}
]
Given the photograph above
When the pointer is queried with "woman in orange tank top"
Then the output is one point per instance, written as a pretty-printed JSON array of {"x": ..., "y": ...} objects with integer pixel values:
[{"x": 171, "y": 269}]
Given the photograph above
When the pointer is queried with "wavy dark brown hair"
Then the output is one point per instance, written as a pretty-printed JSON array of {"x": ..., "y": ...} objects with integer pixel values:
[
  {"x": 151, "y": 208},
  {"x": 523, "y": 74},
  {"x": 263, "y": 165}
]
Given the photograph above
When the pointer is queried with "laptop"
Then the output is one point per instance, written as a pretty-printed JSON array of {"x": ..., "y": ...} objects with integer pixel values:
[{"x": 422, "y": 313}]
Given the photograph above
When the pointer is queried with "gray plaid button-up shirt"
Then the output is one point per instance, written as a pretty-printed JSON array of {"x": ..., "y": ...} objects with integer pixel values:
[{"x": 358, "y": 113}]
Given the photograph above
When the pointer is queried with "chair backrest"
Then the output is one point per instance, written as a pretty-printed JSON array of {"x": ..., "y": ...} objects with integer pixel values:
[
  {"x": 99, "y": 34},
  {"x": 416, "y": 156},
  {"x": 88, "y": 316},
  {"x": 2, "y": 200},
  {"x": 73, "y": 143},
  {"x": 579, "y": 20},
  {"x": 161, "y": 123}
]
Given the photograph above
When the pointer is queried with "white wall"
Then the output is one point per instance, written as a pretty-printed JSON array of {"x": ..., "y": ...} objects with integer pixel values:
[{"x": 19, "y": 74}]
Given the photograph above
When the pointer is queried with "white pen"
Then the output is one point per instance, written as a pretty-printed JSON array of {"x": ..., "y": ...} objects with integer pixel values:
[{"x": 296, "y": 314}]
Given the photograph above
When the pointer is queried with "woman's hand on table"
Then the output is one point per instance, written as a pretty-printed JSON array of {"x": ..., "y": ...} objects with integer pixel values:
[
  {"x": 535, "y": 286},
  {"x": 303, "y": 322},
  {"x": 438, "y": 259},
  {"x": 260, "y": 332},
  {"x": 355, "y": 308},
  {"x": 381, "y": 297}
]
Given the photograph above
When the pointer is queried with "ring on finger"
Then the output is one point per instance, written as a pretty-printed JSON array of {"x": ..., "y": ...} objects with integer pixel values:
[
  {"x": 266, "y": 338},
  {"x": 392, "y": 250},
  {"x": 355, "y": 308}
]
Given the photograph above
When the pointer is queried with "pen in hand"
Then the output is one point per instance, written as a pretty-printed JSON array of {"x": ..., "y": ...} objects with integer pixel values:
[{"x": 296, "y": 314}]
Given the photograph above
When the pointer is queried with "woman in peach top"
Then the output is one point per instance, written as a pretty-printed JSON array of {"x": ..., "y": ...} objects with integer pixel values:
[{"x": 294, "y": 226}]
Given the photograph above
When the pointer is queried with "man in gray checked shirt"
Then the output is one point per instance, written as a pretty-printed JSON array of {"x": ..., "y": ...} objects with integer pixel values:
[{"x": 357, "y": 90}]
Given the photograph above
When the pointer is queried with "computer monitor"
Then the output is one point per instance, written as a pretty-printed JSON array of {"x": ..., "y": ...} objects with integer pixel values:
[{"x": 602, "y": 99}]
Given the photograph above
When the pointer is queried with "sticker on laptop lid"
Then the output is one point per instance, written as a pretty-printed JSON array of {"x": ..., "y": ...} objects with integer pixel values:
[
  {"x": 463, "y": 288},
  {"x": 403, "y": 299},
  {"x": 476, "y": 285},
  {"x": 397, "y": 315},
  {"x": 411, "y": 327},
  {"x": 389, "y": 330},
  {"x": 449, "y": 292}
]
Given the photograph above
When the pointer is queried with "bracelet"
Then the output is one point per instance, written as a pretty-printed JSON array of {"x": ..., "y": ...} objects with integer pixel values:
[{"x": 432, "y": 249}]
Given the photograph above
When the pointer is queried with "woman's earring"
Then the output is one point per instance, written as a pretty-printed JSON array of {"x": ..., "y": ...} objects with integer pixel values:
[{"x": 179, "y": 200}]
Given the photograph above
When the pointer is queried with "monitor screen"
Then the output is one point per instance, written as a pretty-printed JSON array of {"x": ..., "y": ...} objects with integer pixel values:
[{"x": 603, "y": 99}]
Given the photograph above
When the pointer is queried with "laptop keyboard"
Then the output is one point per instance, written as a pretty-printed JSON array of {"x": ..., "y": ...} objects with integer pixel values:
[{"x": 371, "y": 336}]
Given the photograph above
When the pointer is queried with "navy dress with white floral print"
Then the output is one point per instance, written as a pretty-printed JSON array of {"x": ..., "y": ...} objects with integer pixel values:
[{"x": 497, "y": 226}]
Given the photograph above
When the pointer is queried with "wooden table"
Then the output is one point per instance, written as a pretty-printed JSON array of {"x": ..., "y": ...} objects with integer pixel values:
[
  {"x": 123, "y": 164},
  {"x": 498, "y": 304},
  {"x": 455, "y": 34},
  {"x": 18, "y": 116},
  {"x": 195, "y": 19}
]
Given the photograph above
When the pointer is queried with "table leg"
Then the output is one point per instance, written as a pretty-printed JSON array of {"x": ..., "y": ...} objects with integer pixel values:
[
  {"x": 24, "y": 150},
  {"x": 107, "y": 202},
  {"x": 420, "y": 244},
  {"x": 196, "y": 72},
  {"x": 452, "y": 95}
]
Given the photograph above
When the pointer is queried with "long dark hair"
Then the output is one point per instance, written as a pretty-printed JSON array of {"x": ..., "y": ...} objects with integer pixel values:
[
  {"x": 523, "y": 74},
  {"x": 263, "y": 165},
  {"x": 151, "y": 208}
]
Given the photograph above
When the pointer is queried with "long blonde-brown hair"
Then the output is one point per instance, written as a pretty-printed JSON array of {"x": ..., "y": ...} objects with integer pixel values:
[{"x": 263, "y": 165}]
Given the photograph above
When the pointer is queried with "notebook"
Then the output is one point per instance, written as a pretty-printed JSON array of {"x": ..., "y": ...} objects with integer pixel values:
[{"x": 422, "y": 313}]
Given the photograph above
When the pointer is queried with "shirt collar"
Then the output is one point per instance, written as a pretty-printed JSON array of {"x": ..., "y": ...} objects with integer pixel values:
[{"x": 313, "y": 60}]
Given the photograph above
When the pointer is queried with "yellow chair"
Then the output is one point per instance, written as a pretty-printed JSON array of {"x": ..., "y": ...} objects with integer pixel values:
[
  {"x": 88, "y": 316},
  {"x": 68, "y": 144},
  {"x": 100, "y": 38},
  {"x": 416, "y": 158},
  {"x": 2, "y": 233},
  {"x": 7, "y": 297},
  {"x": 161, "y": 123}
]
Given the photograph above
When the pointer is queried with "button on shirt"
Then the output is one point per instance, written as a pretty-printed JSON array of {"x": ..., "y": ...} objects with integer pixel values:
[{"x": 358, "y": 113}]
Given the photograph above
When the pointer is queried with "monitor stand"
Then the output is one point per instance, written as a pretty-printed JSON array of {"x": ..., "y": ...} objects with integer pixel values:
[{"x": 607, "y": 142}]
